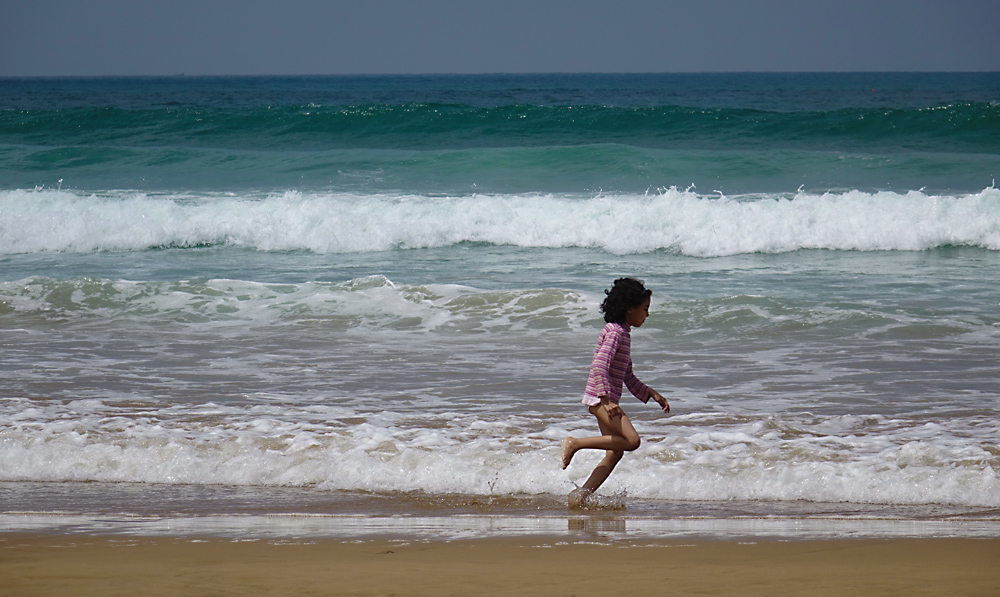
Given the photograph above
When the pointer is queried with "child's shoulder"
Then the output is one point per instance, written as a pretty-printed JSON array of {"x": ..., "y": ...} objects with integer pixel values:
[{"x": 615, "y": 329}]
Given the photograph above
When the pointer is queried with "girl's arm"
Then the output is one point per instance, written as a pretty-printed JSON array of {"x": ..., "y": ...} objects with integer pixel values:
[
  {"x": 642, "y": 391},
  {"x": 638, "y": 389},
  {"x": 659, "y": 400}
]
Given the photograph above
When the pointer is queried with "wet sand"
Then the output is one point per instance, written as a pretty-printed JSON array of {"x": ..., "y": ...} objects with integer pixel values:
[{"x": 52, "y": 565}]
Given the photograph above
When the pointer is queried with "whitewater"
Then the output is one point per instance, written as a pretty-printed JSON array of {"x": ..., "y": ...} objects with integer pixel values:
[{"x": 681, "y": 221}]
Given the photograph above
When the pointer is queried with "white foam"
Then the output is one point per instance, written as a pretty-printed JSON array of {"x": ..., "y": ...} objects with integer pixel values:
[
  {"x": 371, "y": 301},
  {"x": 682, "y": 221},
  {"x": 693, "y": 457}
]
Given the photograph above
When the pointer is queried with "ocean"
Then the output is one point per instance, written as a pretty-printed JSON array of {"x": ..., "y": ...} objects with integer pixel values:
[{"x": 359, "y": 306}]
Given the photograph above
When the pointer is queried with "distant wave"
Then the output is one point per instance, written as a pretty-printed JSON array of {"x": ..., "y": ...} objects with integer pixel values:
[
  {"x": 971, "y": 127},
  {"x": 672, "y": 220},
  {"x": 507, "y": 170}
]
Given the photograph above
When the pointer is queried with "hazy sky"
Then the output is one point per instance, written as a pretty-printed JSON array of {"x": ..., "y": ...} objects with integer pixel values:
[{"x": 202, "y": 37}]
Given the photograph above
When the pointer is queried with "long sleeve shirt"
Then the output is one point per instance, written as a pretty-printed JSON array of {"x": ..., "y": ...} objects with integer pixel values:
[{"x": 612, "y": 366}]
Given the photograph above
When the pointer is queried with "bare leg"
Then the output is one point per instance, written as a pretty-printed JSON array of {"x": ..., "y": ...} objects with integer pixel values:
[
  {"x": 617, "y": 437},
  {"x": 603, "y": 470}
]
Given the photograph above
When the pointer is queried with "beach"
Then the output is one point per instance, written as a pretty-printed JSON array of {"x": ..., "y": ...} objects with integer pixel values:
[
  {"x": 259, "y": 332},
  {"x": 38, "y": 564}
]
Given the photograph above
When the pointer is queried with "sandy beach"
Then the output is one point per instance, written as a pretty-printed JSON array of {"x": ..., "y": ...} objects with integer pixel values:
[{"x": 35, "y": 564}]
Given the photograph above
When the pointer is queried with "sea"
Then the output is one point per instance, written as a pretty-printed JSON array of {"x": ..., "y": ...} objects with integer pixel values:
[{"x": 366, "y": 306}]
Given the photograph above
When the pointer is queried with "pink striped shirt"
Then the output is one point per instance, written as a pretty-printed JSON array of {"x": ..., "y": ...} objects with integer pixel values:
[{"x": 612, "y": 366}]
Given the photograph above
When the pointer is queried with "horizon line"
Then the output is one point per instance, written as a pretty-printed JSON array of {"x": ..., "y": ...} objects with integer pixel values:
[{"x": 499, "y": 73}]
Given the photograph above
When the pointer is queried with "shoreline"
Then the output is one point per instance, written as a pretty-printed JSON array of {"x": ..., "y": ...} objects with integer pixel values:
[
  {"x": 47, "y": 564},
  {"x": 599, "y": 527},
  {"x": 137, "y": 510}
]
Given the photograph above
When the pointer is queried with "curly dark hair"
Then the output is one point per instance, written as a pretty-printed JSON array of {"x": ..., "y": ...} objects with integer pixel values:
[{"x": 627, "y": 293}]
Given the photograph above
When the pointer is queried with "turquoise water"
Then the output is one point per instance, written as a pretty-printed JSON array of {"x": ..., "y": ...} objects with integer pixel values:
[
  {"x": 460, "y": 135},
  {"x": 313, "y": 290}
]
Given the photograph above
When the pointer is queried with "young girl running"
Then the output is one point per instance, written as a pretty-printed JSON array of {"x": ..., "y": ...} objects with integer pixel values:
[{"x": 626, "y": 306}]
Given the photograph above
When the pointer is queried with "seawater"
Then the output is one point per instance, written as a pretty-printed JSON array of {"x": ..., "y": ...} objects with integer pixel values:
[{"x": 377, "y": 296}]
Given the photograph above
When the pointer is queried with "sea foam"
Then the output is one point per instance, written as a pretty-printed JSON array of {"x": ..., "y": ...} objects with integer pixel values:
[
  {"x": 700, "y": 456},
  {"x": 368, "y": 302},
  {"x": 671, "y": 219}
]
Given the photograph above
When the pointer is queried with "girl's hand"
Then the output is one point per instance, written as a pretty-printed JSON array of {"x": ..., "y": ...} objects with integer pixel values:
[
  {"x": 660, "y": 400},
  {"x": 613, "y": 410}
]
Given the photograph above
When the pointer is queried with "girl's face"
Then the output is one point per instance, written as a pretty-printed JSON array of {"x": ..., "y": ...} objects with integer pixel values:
[{"x": 637, "y": 315}]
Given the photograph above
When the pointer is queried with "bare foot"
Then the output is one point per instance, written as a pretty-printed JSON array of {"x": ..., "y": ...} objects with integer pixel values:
[{"x": 567, "y": 451}]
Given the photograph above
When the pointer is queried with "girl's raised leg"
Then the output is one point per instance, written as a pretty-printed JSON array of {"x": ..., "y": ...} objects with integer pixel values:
[{"x": 617, "y": 437}]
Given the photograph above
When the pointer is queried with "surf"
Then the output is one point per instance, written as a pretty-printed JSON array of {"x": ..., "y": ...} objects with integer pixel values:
[{"x": 673, "y": 220}]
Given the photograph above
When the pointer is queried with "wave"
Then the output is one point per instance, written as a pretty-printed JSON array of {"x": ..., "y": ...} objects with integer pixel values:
[
  {"x": 672, "y": 220},
  {"x": 563, "y": 169},
  {"x": 700, "y": 456},
  {"x": 376, "y": 305},
  {"x": 371, "y": 302},
  {"x": 970, "y": 127}
]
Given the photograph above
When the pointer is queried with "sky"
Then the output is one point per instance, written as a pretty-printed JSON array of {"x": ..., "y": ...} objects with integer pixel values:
[{"x": 302, "y": 37}]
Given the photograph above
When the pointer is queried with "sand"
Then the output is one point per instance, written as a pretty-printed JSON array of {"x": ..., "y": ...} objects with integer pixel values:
[{"x": 83, "y": 566}]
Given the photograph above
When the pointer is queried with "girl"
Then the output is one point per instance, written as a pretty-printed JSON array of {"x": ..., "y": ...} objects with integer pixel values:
[{"x": 626, "y": 306}]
